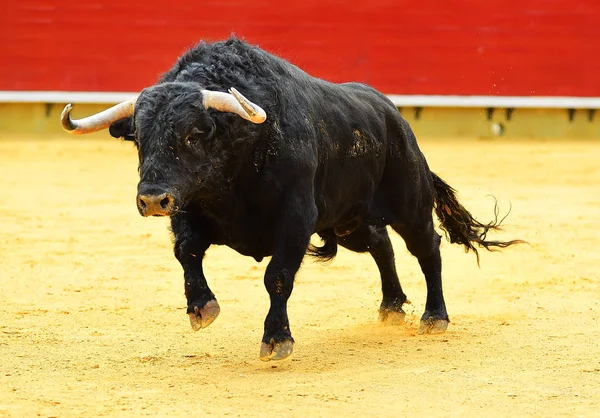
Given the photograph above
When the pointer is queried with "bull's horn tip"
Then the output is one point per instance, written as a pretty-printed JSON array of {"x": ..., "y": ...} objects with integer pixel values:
[
  {"x": 65, "y": 118},
  {"x": 66, "y": 111},
  {"x": 67, "y": 108}
]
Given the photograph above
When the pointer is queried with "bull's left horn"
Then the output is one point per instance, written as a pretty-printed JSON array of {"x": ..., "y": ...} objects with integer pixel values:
[
  {"x": 98, "y": 121},
  {"x": 233, "y": 102}
]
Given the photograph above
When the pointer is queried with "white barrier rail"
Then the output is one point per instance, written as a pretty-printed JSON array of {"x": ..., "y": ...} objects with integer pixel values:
[{"x": 543, "y": 102}]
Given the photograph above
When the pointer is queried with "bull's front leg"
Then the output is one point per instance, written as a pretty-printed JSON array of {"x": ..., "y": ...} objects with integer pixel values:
[
  {"x": 191, "y": 243},
  {"x": 292, "y": 237}
]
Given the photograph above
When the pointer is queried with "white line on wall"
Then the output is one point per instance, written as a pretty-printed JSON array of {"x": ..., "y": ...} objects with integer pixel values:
[{"x": 542, "y": 102}]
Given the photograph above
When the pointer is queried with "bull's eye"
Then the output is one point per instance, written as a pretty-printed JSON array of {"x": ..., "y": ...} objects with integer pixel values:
[{"x": 193, "y": 136}]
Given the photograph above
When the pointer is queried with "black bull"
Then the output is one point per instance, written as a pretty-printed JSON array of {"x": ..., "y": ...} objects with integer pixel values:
[{"x": 335, "y": 159}]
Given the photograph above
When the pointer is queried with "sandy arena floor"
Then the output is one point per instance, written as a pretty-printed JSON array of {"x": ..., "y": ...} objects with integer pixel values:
[{"x": 93, "y": 323}]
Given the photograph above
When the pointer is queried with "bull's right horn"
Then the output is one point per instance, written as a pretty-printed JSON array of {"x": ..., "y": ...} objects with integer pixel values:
[
  {"x": 233, "y": 102},
  {"x": 98, "y": 121}
]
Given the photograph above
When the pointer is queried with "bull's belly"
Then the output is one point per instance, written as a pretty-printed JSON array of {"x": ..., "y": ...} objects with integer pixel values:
[
  {"x": 342, "y": 205},
  {"x": 345, "y": 191},
  {"x": 250, "y": 239},
  {"x": 247, "y": 240},
  {"x": 256, "y": 252}
]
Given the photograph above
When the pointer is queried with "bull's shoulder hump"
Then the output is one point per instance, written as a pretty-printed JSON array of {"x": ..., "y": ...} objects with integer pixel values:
[{"x": 367, "y": 93}]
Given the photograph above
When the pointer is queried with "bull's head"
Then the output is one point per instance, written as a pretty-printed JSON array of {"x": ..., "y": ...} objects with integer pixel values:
[{"x": 172, "y": 129}]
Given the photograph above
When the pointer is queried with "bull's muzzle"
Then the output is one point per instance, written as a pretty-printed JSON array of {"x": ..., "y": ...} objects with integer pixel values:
[{"x": 156, "y": 204}]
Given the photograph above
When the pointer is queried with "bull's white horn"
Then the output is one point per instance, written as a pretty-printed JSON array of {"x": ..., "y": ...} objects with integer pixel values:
[
  {"x": 98, "y": 121},
  {"x": 233, "y": 102}
]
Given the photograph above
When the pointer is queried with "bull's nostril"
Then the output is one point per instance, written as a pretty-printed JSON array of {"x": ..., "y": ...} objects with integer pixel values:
[
  {"x": 165, "y": 202},
  {"x": 156, "y": 204}
]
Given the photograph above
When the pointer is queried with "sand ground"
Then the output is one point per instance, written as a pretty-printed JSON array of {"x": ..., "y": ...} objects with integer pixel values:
[{"x": 92, "y": 311}]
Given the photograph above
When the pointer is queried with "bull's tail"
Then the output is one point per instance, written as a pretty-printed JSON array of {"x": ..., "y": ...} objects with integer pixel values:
[
  {"x": 460, "y": 226},
  {"x": 329, "y": 248}
]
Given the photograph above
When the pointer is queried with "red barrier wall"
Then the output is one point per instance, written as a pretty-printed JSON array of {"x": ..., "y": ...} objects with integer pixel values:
[{"x": 470, "y": 47}]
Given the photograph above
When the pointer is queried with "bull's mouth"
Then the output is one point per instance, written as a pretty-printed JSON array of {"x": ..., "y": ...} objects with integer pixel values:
[{"x": 160, "y": 215}]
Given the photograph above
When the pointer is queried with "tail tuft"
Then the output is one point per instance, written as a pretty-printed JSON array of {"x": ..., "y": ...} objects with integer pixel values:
[
  {"x": 329, "y": 249},
  {"x": 460, "y": 226}
]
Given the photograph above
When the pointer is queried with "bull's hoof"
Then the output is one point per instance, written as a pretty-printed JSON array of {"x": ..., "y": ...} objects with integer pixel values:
[
  {"x": 392, "y": 317},
  {"x": 201, "y": 318},
  {"x": 276, "y": 350},
  {"x": 391, "y": 312},
  {"x": 432, "y": 325}
]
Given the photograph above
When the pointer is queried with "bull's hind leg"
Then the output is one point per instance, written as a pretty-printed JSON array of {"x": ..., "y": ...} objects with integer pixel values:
[
  {"x": 424, "y": 243},
  {"x": 190, "y": 245},
  {"x": 376, "y": 241}
]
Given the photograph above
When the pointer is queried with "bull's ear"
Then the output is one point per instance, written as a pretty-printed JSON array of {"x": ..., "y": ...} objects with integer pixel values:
[{"x": 122, "y": 129}]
